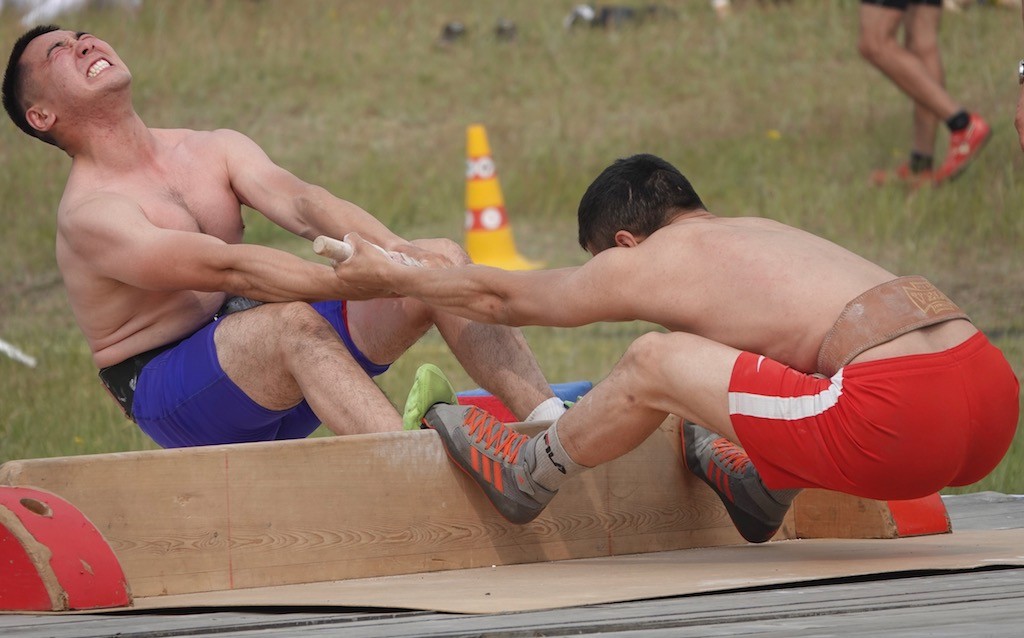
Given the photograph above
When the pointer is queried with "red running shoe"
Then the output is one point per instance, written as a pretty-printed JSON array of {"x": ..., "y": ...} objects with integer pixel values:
[
  {"x": 964, "y": 146},
  {"x": 903, "y": 175}
]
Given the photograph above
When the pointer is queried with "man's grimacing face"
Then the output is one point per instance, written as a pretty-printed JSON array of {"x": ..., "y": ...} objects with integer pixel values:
[{"x": 64, "y": 68}]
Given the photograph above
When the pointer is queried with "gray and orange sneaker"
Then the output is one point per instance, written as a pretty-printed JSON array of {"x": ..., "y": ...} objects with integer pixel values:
[
  {"x": 494, "y": 455},
  {"x": 727, "y": 470}
]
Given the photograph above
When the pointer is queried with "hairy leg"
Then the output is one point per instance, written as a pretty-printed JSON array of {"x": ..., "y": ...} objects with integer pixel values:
[
  {"x": 660, "y": 374},
  {"x": 878, "y": 44},
  {"x": 279, "y": 354},
  {"x": 496, "y": 357}
]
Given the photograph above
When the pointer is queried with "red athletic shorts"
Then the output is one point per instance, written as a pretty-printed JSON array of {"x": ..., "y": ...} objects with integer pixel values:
[{"x": 890, "y": 429}]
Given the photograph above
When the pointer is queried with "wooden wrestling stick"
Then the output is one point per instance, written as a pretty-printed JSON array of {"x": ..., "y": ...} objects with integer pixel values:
[
  {"x": 340, "y": 250},
  {"x": 332, "y": 248}
]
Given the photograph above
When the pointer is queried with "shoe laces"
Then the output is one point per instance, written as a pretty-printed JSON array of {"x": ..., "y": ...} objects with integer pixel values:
[
  {"x": 494, "y": 434},
  {"x": 729, "y": 456}
]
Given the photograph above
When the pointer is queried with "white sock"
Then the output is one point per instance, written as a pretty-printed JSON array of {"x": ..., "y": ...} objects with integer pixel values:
[
  {"x": 548, "y": 410},
  {"x": 552, "y": 465}
]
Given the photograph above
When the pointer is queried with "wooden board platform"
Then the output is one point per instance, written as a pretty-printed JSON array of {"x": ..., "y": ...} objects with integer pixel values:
[
  {"x": 269, "y": 514},
  {"x": 588, "y": 581},
  {"x": 228, "y": 517},
  {"x": 937, "y": 604}
]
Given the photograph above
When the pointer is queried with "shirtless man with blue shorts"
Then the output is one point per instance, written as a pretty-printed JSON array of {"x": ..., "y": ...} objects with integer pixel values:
[
  {"x": 804, "y": 364},
  {"x": 149, "y": 243}
]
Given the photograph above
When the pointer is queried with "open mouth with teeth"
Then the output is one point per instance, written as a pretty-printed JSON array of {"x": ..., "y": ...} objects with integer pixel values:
[{"x": 98, "y": 67}]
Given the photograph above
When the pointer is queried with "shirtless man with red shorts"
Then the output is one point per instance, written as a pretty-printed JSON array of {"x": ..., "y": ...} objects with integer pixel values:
[
  {"x": 167, "y": 294},
  {"x": 827, "y": 370}
]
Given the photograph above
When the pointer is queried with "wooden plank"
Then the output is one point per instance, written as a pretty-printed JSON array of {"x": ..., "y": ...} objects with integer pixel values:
[
  {"x": 939, "y": 604},
  {"x": 324, "y": 509},
  {"x": 825, "y": 514},
  {"x": 252, "y": 515}
]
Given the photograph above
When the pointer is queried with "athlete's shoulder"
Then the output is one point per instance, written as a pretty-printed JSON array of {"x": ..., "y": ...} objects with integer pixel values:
[{"x": 94, "y": 209}]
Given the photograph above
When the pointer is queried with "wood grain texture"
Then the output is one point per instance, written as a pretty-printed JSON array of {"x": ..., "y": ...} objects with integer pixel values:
[
  {"x": 325, "y": 509},
  {"x": 824, "y": 514},
  {"x": 253, "y": 515}
]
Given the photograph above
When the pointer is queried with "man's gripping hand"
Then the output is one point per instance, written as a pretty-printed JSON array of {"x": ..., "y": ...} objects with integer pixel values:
[
  {"x": 422, "y": 256},
  {"x": 364, "y": 266},
  {"x": 406, "y": 254}
]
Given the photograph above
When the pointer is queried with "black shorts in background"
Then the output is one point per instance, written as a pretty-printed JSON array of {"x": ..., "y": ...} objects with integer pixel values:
[{"x": 902, "y": 4}]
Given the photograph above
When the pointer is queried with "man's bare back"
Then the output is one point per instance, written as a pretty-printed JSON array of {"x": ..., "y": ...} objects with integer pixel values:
[
  {"x": 757, "y": 285},
  {"x": 750, "y": 283},
  {"x": 183, "y": 187}
]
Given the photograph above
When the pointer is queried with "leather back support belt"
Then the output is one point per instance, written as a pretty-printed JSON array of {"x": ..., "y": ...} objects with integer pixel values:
[{"x": 881, "y": 314}]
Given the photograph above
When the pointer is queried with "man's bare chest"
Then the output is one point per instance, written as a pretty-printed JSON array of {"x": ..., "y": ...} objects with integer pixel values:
[{"x": 190, "y": 199}]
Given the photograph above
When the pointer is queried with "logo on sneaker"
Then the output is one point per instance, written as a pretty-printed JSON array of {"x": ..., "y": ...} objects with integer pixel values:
[{"x": 551, "y": 455}]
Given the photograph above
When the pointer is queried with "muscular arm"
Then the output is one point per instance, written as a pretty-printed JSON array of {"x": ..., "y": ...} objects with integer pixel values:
[
  {"x": 304, "y": 209},
  {"x": 112, "y": 237},
  {"x": 564, "y": 297}
]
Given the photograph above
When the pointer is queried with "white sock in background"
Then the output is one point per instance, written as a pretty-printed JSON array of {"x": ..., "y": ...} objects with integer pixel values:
[{"x": 548, "y": 410}]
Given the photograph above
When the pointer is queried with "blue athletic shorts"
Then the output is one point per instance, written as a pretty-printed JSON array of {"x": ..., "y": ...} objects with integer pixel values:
[{"x": 183, "y": 398}]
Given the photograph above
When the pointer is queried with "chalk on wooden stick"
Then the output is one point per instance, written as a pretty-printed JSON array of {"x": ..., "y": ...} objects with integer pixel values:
[
  {"x": 340, "y": 250},
  {"x": 332, "y": 248}
]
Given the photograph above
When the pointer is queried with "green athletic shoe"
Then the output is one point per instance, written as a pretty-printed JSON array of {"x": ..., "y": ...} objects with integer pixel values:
[{"x": 429, "y": 387}]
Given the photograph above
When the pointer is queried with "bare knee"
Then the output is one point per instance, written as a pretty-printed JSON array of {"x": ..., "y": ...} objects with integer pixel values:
[
  {"x": 872, "y": 47},
  {"x": 924, "y": 48},
  {"x": 299, "y": 322},
  {"x": 264, "y": 350},
  {"x": 643, "y": 358}
]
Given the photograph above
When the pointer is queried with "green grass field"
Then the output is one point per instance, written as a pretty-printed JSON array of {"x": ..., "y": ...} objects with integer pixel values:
[{"x": 771, "y": 113}]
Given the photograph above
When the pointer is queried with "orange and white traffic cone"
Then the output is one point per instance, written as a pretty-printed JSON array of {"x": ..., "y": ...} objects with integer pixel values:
[{"x": 488, "y": 233}]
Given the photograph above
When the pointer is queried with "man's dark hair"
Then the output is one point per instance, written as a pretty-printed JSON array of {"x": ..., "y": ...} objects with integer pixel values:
[
  {"x": 14, "y": 82},
  {"x": 640, "y": 194}
]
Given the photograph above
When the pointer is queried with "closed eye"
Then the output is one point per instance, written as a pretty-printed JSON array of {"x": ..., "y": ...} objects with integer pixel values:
[
  {"x": 54, "y": 46},
  {"x": 66, "y": 43}
]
